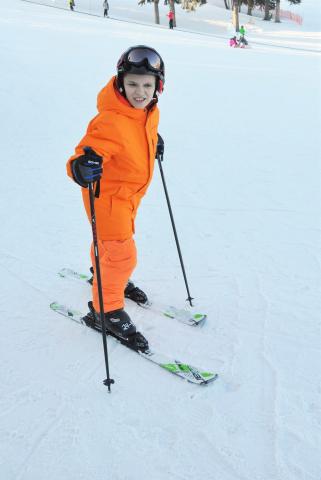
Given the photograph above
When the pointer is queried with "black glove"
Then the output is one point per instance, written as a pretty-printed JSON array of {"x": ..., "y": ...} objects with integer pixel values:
[
  {"x": 160, "y": 147},
  {"x": 87, "y": 168}
]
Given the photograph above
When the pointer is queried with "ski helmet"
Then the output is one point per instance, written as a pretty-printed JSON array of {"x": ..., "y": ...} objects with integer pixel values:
[{"x": 141, "y": 60}]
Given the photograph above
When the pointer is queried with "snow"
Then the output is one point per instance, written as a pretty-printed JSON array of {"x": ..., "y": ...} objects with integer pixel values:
[{"x": 242, "y": 164}]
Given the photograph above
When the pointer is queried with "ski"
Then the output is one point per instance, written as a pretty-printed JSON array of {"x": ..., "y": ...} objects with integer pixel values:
[
  {"x": 184, "y": 370},
  {"x": 183, "y": 315}
]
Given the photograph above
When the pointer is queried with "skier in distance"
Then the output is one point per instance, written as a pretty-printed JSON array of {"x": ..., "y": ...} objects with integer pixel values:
[{"x": 106, "y": 8}]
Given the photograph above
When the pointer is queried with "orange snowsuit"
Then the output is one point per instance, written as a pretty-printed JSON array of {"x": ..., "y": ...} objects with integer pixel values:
[{"x": 126, "y": 138}]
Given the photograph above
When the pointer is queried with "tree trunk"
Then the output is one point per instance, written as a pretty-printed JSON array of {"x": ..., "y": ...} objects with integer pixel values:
[
  {"x": 226, "y": 5},
  {"x": 156, "y": 10},
  {"x": 236, "y": 15},
  {"x": 267, "y": 10},
  {"x": 277, "y": 12},
  {"x": 250, "y": 6},
  {"x": 172, "y": 7}
]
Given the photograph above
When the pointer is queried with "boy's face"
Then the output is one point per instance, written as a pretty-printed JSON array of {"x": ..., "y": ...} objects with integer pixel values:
[{"x": 139, "y": 89}]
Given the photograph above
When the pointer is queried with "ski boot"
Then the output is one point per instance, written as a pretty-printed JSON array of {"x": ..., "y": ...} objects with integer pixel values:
[
  {"x": 91, "y": 279},
  {"x": 133, "y": 293},
  {"x": 119, "y": 325},
  {"x": 136, "y": 294}
]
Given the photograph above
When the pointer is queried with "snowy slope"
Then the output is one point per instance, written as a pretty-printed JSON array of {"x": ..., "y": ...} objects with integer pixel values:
[
  {"x": 212, "y": 19},
  {"x": 247, "y": 207}
]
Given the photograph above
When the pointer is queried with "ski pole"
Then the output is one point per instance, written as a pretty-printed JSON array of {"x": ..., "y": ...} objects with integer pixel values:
[
  {"x": 108, "y": 380},
  {"x": 160, "y": 159}
]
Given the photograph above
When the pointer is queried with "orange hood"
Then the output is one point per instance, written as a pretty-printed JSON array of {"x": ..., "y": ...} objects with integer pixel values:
[{"x": 109, "y": 99}]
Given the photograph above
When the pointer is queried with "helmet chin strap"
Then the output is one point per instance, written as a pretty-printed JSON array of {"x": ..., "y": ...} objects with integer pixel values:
[{"x": 120, "y": 84}]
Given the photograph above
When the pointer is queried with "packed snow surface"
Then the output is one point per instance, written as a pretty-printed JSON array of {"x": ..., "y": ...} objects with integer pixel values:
[{"x": 242, "y": 165}]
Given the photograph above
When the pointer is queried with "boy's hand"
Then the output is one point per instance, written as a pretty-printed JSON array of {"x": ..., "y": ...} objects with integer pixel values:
[
  {"x": 87, "y": 168},
  {"x": 160, "y": 147}
]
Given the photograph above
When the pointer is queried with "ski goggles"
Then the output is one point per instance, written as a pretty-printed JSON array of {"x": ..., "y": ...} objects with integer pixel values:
[{"x": 139, "y": 57}]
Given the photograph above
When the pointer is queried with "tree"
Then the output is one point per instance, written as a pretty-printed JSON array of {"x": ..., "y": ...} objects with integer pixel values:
[
  {"x": 156, "y": 11},
  {"x": 192, "y": 5},
  {"x": 267, "y": 5},
  {"x": 156, "y": 8},
  {"x": 267, "y": 10},
  {"x": 250, "y": 6},
  {"x": 277, "y": 12},
  {"x": 273, "y": 5},
  {"x": 189, "y": 5},
  {"x": 236, "y": 6}
]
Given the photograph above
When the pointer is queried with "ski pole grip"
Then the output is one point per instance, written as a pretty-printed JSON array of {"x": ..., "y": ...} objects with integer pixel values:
[{"x": 88, "y": 150}]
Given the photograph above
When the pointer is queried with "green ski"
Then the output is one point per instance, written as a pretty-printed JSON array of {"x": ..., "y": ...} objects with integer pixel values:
[
  {"x": 184, "y": 315},
  {"x": 186, "y": 371}
]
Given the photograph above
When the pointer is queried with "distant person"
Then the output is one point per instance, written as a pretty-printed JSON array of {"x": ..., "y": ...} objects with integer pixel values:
[
  {"x": 242, "y": 31},
  {"x": 170, "y": 16},
  {"x": 72, "y": 4},
  {"x": 242, "y": 42},
  {"x": 106, "y": 8},
  {"x": 233, "y": 42}
]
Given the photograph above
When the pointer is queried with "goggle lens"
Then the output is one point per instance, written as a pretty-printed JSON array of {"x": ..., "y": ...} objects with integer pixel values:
[{"x": 139, "y": 56}]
